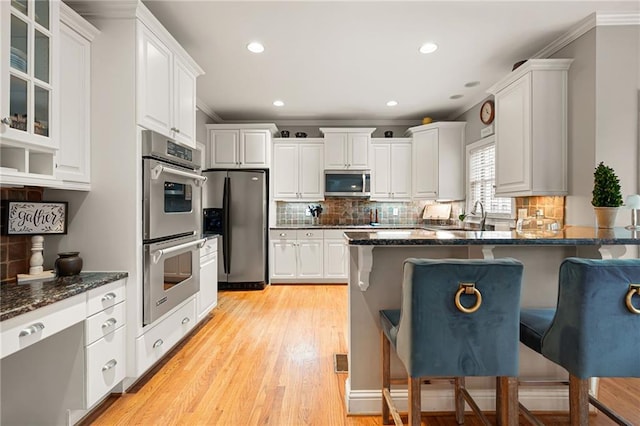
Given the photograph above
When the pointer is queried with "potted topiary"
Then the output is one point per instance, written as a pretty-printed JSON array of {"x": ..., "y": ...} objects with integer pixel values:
[{"x": 607, "y": 197}]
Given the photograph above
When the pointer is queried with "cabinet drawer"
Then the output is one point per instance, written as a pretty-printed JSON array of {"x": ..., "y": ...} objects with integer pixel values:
[
  {"x": 105, "y": 365},
  {"x": 105, "y": 296},
  {"x": 210, "y": 246},
  {"x": 337, "y": 234},
  {"x": 154, "y": 343},
  {"x": 25, "y": 330},
  {"x": 309, "y": 234},
  {"x": 282, "y": 234},
  {"x": 104, "y": 322}
]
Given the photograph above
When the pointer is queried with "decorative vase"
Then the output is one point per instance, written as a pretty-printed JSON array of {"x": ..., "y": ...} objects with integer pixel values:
[
  {"x": 68, "y": 263},
  {"x": 605, "y": 216}
]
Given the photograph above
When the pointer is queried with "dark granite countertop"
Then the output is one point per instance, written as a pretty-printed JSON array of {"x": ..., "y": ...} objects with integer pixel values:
[
  {"x": 362, "y": 226},
  {"x": 17, "y": 299},
  {"x": 570, "y": 235}
]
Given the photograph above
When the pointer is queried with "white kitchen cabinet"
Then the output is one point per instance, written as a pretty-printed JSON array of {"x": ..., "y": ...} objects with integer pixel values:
[
  {"x": 240, "y": 146},
  {"x": 296, "y": 254},
  {"x": 438, "y": 161},
  {"x": 166, "y": 84},
  {"x": 391, "y": 169},
  {"x": 73, "y": 159},
  {"x": 208, "y": 294},
  {"x": 298, "y": 170},
  {"x": 29, "y": 92},
  {"x": 336, "y": 254},
  {"x": 531, "y": 129},
  {"x": 346, "y": 148}
]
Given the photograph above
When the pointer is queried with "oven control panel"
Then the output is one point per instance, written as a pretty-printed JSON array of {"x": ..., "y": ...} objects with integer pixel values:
[{"x": 175, "y": 150}]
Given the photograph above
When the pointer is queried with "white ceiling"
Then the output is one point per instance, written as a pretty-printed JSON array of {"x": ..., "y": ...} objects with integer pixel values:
[{"x": 339, "y": 60}]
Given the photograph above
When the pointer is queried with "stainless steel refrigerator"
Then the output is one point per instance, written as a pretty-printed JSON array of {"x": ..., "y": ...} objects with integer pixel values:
[{"x": 235, "y": 205}]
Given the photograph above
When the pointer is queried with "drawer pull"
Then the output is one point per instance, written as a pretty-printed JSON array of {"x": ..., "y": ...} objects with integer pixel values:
[
  {"x": 108, "y": 296},
  {"x": 157, "y": 343},
  {"x": 309, "y": 234},
  {"x": 109, "y": 365},
  {"x": 282, "y": 234},
  {"x": 109, "y": 323},
  {"x": 185, "y": 320},
  {"x": 32, "y": 329}
]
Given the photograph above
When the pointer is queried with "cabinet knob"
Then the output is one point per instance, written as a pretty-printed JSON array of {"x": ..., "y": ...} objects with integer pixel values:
[
  {"x": 309, "y": 234},
  {"x": 108, "y": 296},
  {"x": 6, "y": 120},
  {"x": 157, "y": 343},
  {"x": 185, "y": 320},
  {"x": 177, "y": 130},
  {"x": 109, "y": 323},
  {"x": 282, "y": 234},
  {"x": 32, "y": 329},
  {"x": 109, "y": 365}
]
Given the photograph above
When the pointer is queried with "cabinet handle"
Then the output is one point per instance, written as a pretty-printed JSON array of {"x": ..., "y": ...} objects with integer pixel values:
[
  {"x": 108, "y": 296},
  {"x": 109, "y": 323},
  {"x": 177, "y": 130},
  {"x": 185, "y": 320},
  {"x": 109, "y": 365},
  {"x": 282, "y": 234},
  {"x": 309, "y": 234},
  {"x": 32, "y": 329},
  {"x": 7, "y": 121},
  {"x": 157, "y": 343}
]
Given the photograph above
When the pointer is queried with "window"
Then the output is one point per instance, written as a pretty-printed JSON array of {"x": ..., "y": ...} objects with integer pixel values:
[{"x": 481, "y": 166}]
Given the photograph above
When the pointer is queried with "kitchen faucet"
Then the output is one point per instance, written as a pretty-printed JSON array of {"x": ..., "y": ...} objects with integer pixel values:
[{"x": 483, "y": 214}]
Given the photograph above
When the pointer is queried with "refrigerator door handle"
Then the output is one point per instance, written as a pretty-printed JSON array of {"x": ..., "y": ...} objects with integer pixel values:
[{"x": 227, "y": 226}]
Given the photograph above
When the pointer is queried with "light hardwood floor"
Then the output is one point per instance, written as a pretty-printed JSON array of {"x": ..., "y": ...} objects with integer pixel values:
[{"x": 266, "y": 358}]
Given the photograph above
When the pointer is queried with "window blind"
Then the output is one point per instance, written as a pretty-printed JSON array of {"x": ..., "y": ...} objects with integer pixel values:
[{"x": 482, "y": 166}]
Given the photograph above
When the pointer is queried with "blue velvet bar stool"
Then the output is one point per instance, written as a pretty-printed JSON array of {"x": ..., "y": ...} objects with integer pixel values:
[
  {"x": 457, "y": 318},
  {"x": 593, "y": 332}
]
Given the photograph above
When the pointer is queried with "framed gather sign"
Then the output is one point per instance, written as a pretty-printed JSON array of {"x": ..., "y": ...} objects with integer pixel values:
[{"x": 34, "y": 217}]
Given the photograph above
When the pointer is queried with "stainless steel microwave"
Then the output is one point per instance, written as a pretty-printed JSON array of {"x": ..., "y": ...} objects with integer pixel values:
[{"x": 347, "y": 183}]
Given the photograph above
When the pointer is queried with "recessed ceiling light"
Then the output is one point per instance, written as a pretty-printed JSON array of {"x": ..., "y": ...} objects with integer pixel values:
[
  {"x": 255, "y": 47},
  {"x": 428, "y": 48},
  {"x": 455, "y": 96},
  {"x": 278, "y": 103},
  {"x": 472, "y": 84},
  {"x": 392, "y": 103}
]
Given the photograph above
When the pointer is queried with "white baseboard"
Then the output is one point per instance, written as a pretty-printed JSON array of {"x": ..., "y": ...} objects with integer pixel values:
[{"x": 439, "y": 397}]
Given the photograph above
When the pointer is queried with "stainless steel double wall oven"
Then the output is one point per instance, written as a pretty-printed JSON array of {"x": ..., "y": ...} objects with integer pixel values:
[{"x": 171, "y": 224}]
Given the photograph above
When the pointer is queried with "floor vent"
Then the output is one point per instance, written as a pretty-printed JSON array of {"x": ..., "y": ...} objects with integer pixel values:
[{"x": 340, "y": 363}]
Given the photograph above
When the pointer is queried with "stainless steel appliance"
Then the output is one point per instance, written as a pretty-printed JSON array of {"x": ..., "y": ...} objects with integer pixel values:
[
  {"x": 347, "y": 183},
  {"x": 171, "y": 224},
  {"x": 235, "y": 206},
  {"x": 171, "y": 203}
]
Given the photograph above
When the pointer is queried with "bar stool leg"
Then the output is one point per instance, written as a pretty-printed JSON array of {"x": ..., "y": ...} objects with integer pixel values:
[
  {"x": 507, "y": 409},
  {"x": 578, "y": 401},
  {"x": 458, "y": 383},
  {"x": 414, "y": 401},
  {"x": 386, "y": 377}
]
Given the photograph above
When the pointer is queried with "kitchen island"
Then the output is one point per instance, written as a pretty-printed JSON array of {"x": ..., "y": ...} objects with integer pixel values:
[{"x": 375, "y": 283}]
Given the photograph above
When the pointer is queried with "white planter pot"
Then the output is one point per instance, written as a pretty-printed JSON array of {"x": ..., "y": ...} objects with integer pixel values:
[{"x": 606, "y": 216}]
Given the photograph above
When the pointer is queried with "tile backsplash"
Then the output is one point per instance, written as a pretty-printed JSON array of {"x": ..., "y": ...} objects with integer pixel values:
[
  {"x": 15, "y": 250},
  {"x": 351, "y": 211},
  {"x": 552, "y": 207}
]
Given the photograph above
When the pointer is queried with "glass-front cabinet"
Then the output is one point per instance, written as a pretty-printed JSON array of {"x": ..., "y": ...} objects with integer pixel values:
[{"x": 28, "y": 83}]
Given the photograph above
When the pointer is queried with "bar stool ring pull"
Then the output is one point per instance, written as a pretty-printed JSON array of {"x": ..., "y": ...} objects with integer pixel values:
[
  {"x": 470, "y": 288},
  {"x": 633, "y": 289}
]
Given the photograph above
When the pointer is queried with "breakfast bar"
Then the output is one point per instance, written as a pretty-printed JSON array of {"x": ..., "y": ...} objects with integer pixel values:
[{"x": 375, "y": 283}]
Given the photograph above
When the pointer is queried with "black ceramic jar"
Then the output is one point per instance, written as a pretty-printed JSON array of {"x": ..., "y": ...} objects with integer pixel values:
[{"x": 68, "y": 263}]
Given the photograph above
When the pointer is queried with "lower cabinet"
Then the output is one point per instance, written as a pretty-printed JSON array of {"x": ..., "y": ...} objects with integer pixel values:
[
  {"x": 208, "y": 295},
  {"x": 296, "y": 254},
  {"x": 309, "y": 255},
  {"x": 156, "y": 342}
]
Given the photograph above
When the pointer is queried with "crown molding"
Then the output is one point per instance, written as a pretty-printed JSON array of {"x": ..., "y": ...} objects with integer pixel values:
[
  {"x": 208, "y": 111},
  {"x": 105, "y": 8},
  {"x": 71, "y": 18},
  {"x": 346, "y": 123},
  {"x": 576, "y": 31}
]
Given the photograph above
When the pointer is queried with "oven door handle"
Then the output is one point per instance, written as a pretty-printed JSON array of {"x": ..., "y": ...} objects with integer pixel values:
[
  {"x": 157, "y": 255},
  {"x": 159, "y": 169}
]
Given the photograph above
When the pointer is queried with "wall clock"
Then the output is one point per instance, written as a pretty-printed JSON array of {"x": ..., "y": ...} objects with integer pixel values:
[{"x": 487, "y": 112}]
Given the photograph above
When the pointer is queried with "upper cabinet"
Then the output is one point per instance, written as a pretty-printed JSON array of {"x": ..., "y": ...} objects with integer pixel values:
[
  {"x": 233, "y": 146},
  {"x": 29, "y": 91},
  {"x": 391, "y": 169},
  {"x": 166, "y": 82},
  {"x": 438, "y": 160},
  {"x": 73, "y": 159},
  {"x": 298, "y": 170},
  {"x": 346, "y": 148},
  {"x": 531, "y": 129}
]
